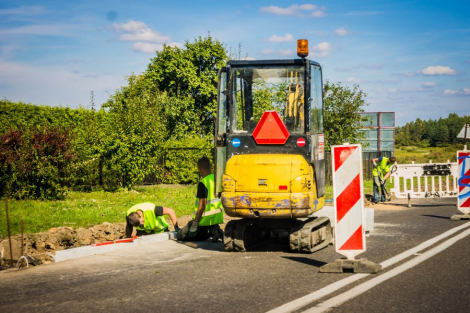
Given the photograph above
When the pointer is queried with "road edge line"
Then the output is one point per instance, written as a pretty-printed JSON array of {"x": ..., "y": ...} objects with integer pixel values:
[
  {"x": 305, "y": 300},
  {"x": 366, "y": 286}
]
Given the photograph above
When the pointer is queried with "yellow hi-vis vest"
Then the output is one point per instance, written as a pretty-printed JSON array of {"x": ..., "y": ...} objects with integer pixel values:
[
  {"x": 213, "y": 213},
  {"x": 383, "y": 167},
  {"x": 152, "y": 223}
]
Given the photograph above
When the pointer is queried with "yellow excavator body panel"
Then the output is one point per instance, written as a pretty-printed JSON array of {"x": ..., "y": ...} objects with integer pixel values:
[{"x": 269, "y": 185}]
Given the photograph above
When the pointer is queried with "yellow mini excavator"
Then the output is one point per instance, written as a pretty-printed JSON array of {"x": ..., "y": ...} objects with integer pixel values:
[{"x": 269, "y": 152}]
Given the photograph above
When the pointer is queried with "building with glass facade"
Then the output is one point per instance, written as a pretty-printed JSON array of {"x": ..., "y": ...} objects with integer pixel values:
[{"x": 379, "y": 132}]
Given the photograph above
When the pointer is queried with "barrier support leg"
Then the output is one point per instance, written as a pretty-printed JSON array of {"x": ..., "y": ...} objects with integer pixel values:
[
  {"x": 351, "y": 266},
  {"x": 458, "y": 217},
  {"x": 409, "y": 200}
]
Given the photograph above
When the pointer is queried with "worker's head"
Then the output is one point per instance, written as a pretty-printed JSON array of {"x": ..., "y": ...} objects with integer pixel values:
[
  {"x": 392, "y": 160},
  {"x": 136, "y": 219},
  {"x": 204, "y": 166}
]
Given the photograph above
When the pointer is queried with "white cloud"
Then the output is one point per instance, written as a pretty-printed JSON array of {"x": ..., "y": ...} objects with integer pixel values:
[
  {"x": 323, "y": 49},
  {"x": 146, "y": 39},
  {"x": 139, "y": 31},
  {"x": 308, "y": 6},
  {"x": 438, "y": 70},
  {"x": 145, "y": 35},
  {"x": 130, "y": 27},
  {"x": 286, "y": 38},
  {"x": 295, "y": 10},
  {"x": 353, "y": 80},
  {"x": 430, "y": 84},
  {"x": 147, "y": 47},
  {"x": 342, "y": 32},
  {"x": 463, "y": 92},
  {"x": 318, "y": 14}
]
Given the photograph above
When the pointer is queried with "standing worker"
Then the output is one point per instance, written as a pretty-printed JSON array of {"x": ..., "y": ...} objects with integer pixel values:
[
  {"x": 148, "y": 219},
  {"x": 208, "y": 212},
  {"x": 380, "y": 173}
]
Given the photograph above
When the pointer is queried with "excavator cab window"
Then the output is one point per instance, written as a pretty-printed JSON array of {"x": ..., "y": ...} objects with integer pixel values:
[
  {"x": 316, "y": 100},
  {"x": 255, "y": 90}
]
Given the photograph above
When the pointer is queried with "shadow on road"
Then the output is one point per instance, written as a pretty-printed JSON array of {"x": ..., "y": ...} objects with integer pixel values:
[
  {"x": 305, "y": 260},
  {"x": 437, "y": 216},
  {"x": 206, "y": 245}
]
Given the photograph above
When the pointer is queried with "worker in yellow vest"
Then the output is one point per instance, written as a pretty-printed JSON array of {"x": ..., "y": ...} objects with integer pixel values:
[
  {"x": 148, "y": 219},
  {"x": 380, "y": 174},
  {"x": 208, "y": 211}
]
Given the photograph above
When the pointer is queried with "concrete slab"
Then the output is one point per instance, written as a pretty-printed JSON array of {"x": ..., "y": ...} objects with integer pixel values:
[{"x": 69, "y": 254}]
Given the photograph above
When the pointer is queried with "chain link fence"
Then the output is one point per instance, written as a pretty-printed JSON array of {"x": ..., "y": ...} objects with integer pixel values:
[{"x": 173, "y": 171}]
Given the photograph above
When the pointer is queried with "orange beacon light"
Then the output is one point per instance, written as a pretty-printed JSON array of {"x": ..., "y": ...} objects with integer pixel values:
[{"x": 302, "y": 48}]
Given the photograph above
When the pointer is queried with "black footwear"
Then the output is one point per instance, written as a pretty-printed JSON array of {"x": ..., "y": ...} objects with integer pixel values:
[{"x": 217, "y": 233}]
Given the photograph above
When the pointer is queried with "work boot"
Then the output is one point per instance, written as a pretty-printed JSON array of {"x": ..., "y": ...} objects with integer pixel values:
[
  {"x": 216, "y": 233},
  {"x": 183, "y": 233}
]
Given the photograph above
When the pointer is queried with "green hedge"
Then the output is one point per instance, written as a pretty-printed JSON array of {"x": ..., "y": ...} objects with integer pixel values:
[{"x": 46, "y": 151}]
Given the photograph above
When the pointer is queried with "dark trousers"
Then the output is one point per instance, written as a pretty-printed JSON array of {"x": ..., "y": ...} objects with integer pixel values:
[
  {"x": 379, "y": 193},
  {"x": 203, "y": 232}
]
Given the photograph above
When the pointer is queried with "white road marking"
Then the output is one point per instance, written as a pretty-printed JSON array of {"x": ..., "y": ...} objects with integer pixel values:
[
  {"x": 354, "y": 292},
  {"x": 305, "y": 300}
]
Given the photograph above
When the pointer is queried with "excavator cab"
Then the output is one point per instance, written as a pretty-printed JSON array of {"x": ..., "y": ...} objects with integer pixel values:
[{"x": 269, "y": 152}]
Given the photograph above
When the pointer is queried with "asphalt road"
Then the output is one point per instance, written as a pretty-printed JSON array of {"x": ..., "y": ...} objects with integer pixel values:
[{"x": 175, "y": 277}]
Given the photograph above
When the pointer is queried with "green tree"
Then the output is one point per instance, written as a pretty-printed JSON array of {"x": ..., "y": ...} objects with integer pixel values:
[
  {"x": 341, "y": 121},
  {"x": 138, "y": 130},
  {"x": 191, "y": 72},
  {"x": 441, "y": 135}
]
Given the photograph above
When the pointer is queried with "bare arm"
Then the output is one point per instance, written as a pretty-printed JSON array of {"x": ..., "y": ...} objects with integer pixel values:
[
  {"x": 386, "y": 175},
  {"x": 171, "y": 213},
  {"x": 129, "y": 231},
  {"x": 200, "y": 209}
]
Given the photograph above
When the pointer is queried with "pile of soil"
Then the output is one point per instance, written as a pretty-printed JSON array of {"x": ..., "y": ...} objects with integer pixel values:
[{"x": 40, "y": 248}]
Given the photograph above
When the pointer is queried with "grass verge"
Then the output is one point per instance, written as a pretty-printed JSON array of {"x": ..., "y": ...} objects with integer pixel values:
[{"x": 81, "y": 209}]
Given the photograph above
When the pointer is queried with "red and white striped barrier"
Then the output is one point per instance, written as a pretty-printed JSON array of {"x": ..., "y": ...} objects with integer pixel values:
[
  {"x": 463, "y": 159},
  {"x": 349, "y": 204}
]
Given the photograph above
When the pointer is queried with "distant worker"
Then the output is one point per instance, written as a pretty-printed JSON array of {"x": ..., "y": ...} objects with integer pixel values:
[
  {"x": 380, "y": 174},
  {"x": 148, "y": 219},
  {"x": 208, "y": 212}
]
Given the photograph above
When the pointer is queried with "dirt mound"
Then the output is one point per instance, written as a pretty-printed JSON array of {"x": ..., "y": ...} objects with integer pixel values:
[{"x": 40, "y": 248}]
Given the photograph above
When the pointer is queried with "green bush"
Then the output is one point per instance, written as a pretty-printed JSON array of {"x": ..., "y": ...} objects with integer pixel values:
[
  {"x": 180, "y": 160},
  {"x": 35, "y": 163}
]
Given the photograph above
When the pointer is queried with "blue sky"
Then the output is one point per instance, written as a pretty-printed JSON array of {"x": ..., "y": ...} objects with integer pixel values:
[{"x": 410, "y": 57}]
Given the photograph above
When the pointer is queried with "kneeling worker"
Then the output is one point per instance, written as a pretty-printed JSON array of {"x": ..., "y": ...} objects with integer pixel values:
[
  {"x": 148, "y": 219},
  {"x": 208, "y": 210}
]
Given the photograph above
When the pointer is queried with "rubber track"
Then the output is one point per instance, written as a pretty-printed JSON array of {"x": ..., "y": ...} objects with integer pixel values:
[
  {"x": 229, "y": 234},
  {"x": 301, "y": 236},
  {"x": 242, "y": 235}
]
